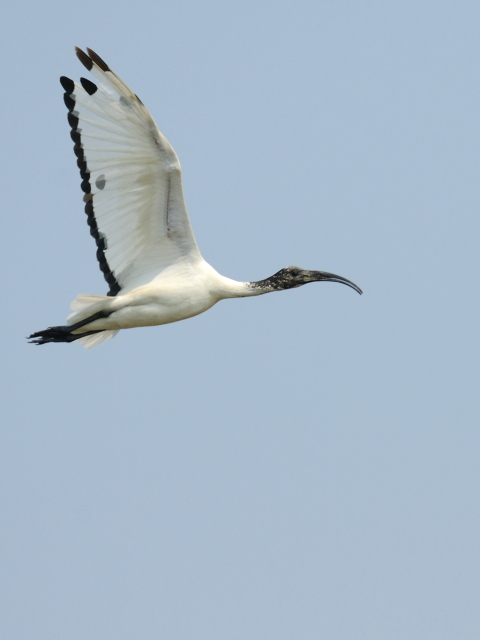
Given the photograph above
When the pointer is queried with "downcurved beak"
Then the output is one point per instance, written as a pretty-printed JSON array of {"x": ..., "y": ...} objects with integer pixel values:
[{"x": 321, "y": 276}]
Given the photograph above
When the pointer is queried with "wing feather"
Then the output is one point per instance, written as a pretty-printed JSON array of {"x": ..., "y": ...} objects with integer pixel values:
[{"x": 131, "y": 177}]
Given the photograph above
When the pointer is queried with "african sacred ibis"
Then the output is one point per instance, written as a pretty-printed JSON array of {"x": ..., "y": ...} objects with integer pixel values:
[{"x": 134, "y": 203}]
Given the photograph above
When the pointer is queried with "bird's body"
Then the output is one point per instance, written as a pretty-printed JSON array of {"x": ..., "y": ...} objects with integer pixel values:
[
  {"x": 131, "y": 178},
  {"x": 179, "y": 292}
]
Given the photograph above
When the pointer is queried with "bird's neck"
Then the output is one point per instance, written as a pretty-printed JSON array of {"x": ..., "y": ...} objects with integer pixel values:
[
  {"x": 234, "y": 289},
  {"x": 223, "y": 287}
]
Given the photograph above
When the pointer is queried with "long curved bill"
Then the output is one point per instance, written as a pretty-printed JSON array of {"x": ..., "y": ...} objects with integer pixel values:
[{"x": 324, "y": 276}]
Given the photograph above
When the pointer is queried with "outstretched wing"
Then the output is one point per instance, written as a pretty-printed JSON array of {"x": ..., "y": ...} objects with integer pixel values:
[{"x": 131, "y": 178}]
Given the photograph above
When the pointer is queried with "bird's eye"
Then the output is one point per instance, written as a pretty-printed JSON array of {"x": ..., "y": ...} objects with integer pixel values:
[{"x": 295, "y": 272}]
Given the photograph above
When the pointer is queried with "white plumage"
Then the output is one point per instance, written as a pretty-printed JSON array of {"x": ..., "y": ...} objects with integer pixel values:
[{"x": 134, "y": 202}]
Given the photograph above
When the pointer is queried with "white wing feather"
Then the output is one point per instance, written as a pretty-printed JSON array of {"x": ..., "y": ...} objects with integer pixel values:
[{"x": 135, "y": 180}]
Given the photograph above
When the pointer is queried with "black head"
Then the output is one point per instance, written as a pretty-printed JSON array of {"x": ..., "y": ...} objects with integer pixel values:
[{"x": 292, "y": 277}]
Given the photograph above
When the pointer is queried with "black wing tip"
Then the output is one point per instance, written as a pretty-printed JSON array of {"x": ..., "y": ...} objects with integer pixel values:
[
  {"x": 88, "y": 61},
  {"x": 90, "y": 87},
  {"x": 69, "y": 101},
  {"x": 68, "y": 84},
  {"x": 84, "y": 59},
  {"x": 115, "y": 288},
  {"x": 72, "y": 120},
  {"x": 98, "y": 61}
]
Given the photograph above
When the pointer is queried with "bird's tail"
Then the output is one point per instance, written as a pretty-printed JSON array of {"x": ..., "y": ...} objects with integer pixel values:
[
  {"x": 83, "y": 307},
  {"x": 90, "y": 341}
]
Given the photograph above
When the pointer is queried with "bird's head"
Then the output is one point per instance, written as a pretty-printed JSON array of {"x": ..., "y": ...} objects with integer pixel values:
[{"x": 292, "y": 277}]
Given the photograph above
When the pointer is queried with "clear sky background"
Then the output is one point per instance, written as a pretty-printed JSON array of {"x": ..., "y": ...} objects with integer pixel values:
[{"x": 300, "y": 465}]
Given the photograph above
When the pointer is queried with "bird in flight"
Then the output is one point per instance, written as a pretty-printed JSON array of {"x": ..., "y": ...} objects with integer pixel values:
[{"x": 132, "y": 184}]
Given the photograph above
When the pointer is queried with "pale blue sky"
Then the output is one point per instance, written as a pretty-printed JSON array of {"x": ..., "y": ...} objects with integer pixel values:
[{"x": 300, "y": 465}]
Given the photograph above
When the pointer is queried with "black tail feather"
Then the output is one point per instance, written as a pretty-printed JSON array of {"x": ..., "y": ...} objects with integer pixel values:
[{"x": 64, "y": 333}]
